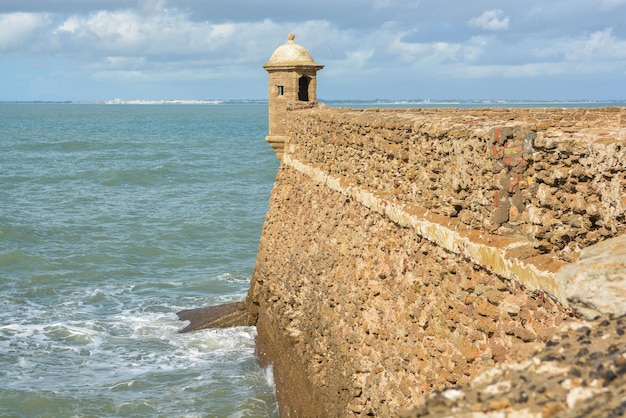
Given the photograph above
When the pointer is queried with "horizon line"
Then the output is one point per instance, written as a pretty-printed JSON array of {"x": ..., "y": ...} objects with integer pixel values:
[{"x": 373, "y": 100}]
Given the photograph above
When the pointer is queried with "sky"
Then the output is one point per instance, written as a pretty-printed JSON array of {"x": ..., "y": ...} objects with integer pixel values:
[{"x": 95, "y": 50}]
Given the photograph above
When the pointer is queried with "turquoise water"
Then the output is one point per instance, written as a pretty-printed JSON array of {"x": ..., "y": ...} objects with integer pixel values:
[{"x": 113, "y": 218}]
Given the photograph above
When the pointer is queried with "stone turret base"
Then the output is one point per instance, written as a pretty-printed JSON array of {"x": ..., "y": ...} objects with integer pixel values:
[{"x": 278, "y": 143}]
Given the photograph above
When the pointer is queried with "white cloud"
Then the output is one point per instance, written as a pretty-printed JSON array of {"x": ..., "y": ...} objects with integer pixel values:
[
  {"x": 492, "y": 20},
  {"x": 437, "y": 52},
  {"x": 128, "y": 33},
  {"x": 128, "y": 44},
  {"x": 600, "y": 49},
  {"x": 71, "y": 25},
  {"x": 597, "y": 46},
  {"x": 359, "y": 58},
  {"x": 17, "y": 28}
]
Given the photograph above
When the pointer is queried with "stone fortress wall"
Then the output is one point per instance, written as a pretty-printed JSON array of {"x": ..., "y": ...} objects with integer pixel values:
[{"x": 407, "y": 251}]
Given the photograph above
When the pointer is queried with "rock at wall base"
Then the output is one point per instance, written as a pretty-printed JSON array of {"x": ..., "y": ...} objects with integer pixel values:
[
  {"x": 596, "y": 284},
  {"x": 220, "y": 316}
]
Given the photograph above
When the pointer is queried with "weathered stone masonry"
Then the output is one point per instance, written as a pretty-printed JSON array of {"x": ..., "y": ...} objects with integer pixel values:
[{"x": 405, "y": 251}]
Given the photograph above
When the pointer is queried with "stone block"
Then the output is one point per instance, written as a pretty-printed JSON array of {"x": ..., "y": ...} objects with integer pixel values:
[
  {"x": 524, "y": 334},
  {"x": 596, "y": 283},
  {"x": 221, "y": 316},
  {"x": 487, "y": 309}
]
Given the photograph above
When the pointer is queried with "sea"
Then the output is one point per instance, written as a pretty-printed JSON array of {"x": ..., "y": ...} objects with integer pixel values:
[{"x": 112, "y": 219}]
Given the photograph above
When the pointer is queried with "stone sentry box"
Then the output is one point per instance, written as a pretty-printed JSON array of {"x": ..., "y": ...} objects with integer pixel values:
[{"x": 292, "y": 82}]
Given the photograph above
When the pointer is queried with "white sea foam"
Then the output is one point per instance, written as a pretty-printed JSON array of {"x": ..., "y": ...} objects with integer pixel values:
[
  {"x": 269, "y": 377},
  {"x": 232, "y": 278},
  {"x": 73, "y": 333},
  {"x": 27, "y": 364}
]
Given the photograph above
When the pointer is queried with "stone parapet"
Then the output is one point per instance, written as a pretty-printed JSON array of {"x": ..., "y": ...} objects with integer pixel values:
[{"x": 554, "y": 177}]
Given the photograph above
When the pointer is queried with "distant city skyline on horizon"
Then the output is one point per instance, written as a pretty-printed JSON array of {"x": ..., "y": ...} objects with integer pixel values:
[
  {"x": 396, "y": 50},
  {"x": 375, "y": 101}
]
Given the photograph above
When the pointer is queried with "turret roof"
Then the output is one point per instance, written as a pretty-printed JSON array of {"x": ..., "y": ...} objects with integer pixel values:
[{"x": 290, "y": 54}]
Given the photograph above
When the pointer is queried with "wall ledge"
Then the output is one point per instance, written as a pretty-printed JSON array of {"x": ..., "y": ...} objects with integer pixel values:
[{"x": 488, "y": 251}]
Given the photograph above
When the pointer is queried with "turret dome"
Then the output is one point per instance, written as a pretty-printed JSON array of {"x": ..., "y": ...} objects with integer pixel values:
[{"x": 290, "y": 54}]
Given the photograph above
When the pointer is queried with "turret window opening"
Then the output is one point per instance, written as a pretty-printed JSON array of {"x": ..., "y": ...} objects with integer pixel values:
[
  {"x": 303, "y": 88},
  {"x": 281, "y": 90}
]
